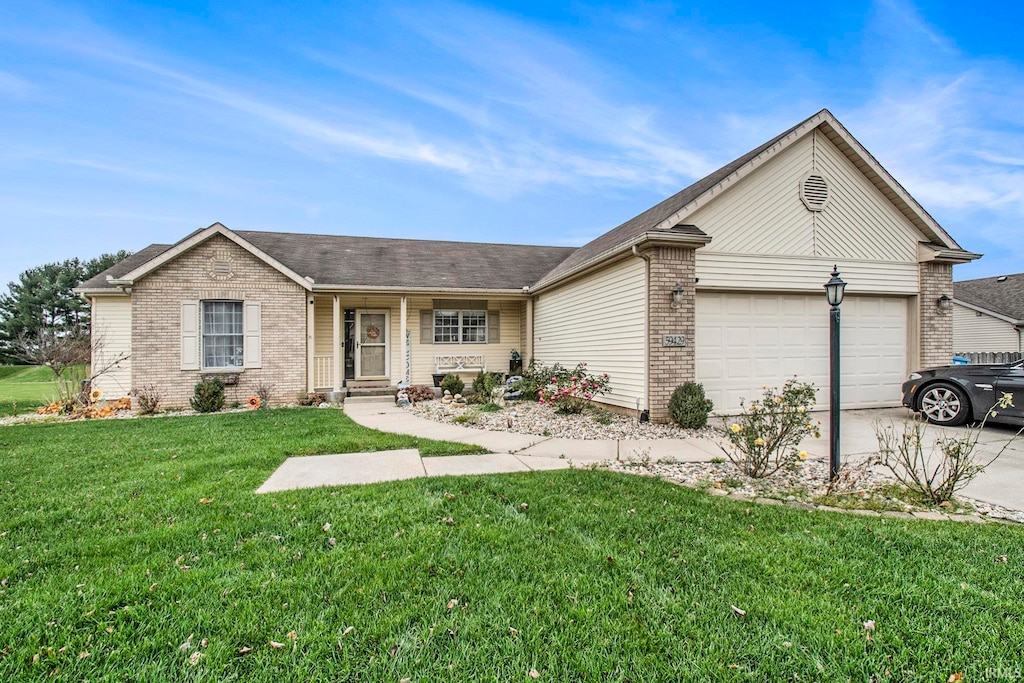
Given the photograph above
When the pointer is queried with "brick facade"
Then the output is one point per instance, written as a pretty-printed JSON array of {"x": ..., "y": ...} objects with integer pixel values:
[
  {"x": 669, "y": 366},
  {"x": 936, "y": 279},
  {"x": 156, "y": 322}
]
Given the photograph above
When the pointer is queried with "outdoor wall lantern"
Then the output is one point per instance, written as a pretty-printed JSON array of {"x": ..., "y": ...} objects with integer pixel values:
[
  {"x": 677, "y": 296},
  {"x": 945, "y": 303},
  {"x": 834, "y": 289}
]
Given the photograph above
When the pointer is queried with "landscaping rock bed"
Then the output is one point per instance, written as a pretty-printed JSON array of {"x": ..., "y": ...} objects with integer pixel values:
[
  {"x": 860, "y": 488},
  {"x": 528, "y": 417}
]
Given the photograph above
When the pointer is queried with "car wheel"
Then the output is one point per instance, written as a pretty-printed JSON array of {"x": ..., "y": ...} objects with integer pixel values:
[{"x": 944, "y": 404}]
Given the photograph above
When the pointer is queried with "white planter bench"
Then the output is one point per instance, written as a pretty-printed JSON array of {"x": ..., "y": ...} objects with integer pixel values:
[{"x": 471, "y": 362}]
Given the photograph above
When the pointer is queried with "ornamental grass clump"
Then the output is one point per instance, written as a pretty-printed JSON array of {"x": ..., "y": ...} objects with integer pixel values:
[
  {"x": 569, "y": 392},
  {"x": 765, "y": 437}
]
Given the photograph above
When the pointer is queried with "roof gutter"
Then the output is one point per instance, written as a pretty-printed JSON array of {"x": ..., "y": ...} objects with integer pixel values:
[
  {"x": 519, "y": 293},
  {"x": 649, "y": 238}
]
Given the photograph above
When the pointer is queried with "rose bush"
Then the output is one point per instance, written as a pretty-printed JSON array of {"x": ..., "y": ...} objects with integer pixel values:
[{"x": 570, "y": 391}]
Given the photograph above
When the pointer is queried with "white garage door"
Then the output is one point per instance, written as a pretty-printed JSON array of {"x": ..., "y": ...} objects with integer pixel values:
[{"x": 746, "y": 340}]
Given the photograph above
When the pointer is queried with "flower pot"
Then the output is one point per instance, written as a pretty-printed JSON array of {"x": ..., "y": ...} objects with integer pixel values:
[{"x": 438, "y": 377}]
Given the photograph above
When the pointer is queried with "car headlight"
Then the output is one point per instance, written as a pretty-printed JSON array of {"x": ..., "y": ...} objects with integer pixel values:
[{"x": 915, "y": 375}]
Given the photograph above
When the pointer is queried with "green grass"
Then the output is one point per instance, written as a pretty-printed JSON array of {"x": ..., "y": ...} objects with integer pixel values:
[
  {"x": 107, "y": 548},
  {"x": 23, "y": 388}
]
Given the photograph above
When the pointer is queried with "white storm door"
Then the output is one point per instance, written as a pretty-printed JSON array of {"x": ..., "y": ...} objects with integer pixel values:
[{"x": 372, "y": 344}]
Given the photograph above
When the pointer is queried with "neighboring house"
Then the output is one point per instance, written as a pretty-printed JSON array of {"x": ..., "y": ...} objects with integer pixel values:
[
  {"x": 988, "y": 314},
  {"x": 732, "y": 267}
]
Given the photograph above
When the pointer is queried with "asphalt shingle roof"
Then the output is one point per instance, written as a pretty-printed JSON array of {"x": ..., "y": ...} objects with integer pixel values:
[
  {"x": 1005, "y": 298},
  {"x": 123, "y": 267}
]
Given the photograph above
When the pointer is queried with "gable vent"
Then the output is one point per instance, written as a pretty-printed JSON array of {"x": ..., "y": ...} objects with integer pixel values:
[{"x": 814, "y": 192}]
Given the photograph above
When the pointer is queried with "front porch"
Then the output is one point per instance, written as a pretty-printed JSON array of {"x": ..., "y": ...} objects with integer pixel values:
[{"x": 357, "y": 340}]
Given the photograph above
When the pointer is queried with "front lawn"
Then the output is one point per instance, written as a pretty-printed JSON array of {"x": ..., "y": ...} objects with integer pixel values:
[{"x": 137, "y": 550}]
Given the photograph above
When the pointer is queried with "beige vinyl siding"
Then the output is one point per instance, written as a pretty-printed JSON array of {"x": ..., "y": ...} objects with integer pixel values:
[
  {"x": 600, "y": 320},
  {"x": 975, "y": 332},
  {"x": 763, "y": 235},
  {"x": 496, "y": 355},
  {"x": 112, "y": 338},
  {"x": 786, "y": 273}
]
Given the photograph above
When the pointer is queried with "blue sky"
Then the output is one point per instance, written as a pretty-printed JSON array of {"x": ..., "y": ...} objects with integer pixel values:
[{"x": 124, "y": 124}]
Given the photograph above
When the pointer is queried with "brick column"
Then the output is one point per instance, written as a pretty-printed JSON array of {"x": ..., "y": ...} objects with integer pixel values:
[
  {"x": 936, "y": 327},
  {"x": 669, "y": 366}
]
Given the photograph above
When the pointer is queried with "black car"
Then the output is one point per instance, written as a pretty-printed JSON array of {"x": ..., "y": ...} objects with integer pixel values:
[{"x": 957, "y": 393}]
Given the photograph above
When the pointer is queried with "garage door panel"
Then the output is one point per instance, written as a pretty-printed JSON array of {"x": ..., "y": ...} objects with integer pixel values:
[{"x": 744, "y": 341}]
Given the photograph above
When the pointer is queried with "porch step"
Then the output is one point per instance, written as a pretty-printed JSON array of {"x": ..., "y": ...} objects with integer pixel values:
[
  {"x": 366, "y": 390},
  {"x": 370, "y": 399}
]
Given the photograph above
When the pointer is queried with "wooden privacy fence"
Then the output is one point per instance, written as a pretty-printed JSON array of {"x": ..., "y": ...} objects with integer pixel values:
[{"x": 992, "y": 356}]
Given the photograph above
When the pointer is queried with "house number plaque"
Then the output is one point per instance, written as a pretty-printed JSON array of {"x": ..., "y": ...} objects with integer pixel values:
[{"x": 674, "y": 340}]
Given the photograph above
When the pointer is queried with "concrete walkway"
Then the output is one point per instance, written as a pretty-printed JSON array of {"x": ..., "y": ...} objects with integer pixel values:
[{"x": 1001, "y": 484}]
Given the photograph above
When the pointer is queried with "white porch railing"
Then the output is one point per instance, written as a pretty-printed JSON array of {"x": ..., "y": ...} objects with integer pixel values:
[{"x": 323, "y": 372}]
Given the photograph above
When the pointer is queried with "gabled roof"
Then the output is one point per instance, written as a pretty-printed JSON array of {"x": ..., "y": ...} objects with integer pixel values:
[
  {"x": 363, "y": 263},
  {"x": 1002, "y": 296},
  {"x": 100, "y": 283},
  {"x": 673, "y": 211}
]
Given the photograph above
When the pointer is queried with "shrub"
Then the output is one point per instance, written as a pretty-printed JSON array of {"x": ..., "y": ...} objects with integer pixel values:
[
  {"x": 489, "y": 407},
  {"x": 485, "y": 384},
  {"x": 263, "y": 392},
  {"x": 935, "y": 477},
  {"x": 688, "y": 406},
  {"x": 765, "y": 436},
  {"x": 312, "y": 399},
  {"x": 420, "y": 393},
  {"x": 452, "y": 383},
  {"x": 208, "y": 395},
  {"x": 534, "y": 377},
  {"x": 147, "y": 398},
  {"x": 570, "y": 391}
]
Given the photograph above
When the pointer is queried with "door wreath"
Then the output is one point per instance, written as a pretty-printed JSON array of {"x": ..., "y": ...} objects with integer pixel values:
[{"x": 372, "y": 332}]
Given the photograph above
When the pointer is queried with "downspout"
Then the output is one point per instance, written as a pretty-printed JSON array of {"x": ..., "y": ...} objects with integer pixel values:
[{"x": 647, "y": 328}]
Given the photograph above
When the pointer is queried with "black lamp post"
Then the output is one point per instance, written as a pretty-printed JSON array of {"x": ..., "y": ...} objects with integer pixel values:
[{"x": 834, "y": 292}]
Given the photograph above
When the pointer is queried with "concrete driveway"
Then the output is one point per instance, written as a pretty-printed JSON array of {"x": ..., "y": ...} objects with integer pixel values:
[{"x": 1002, "y": 483}]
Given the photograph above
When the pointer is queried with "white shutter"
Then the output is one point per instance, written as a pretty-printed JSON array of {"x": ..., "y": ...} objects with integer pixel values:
[
  {"x": 251, "y": 318},
  {"x": 493, "y": 327},
  {"x": 189, "y": 335}
]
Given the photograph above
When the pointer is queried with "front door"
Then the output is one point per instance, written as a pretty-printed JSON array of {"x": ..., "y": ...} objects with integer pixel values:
[{"x": 371, "y": 344}]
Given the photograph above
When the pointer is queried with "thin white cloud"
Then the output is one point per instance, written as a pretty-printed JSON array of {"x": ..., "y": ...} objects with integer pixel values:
[{"x": 15, "y": 86}]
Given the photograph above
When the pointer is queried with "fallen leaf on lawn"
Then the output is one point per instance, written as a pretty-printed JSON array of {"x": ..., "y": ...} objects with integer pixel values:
[
  {"x": 869, "y": 625},
  {"x": 35, "y": 658},
  {"x": 611, "y": 560},
  {"x": 787, "y": 644},
  {"x": 449, "y": 496},
  {"x": 1002, "y": 559},
  {"x": 348, "y": 630},
  {"x": 524, "y": 506},
  {"x": 449, "y": 521},
  {"x": 152, "y": 588},
  {"x": 750, "y": 528},
  {"x": 203, "y": 643},
  {"x": 205, "y": 501},
  {"x": 187, "y": 645},
  {"x": 631, "y": 512},
  {"x": 292, "y": 635},
  {"x": 332, "y": 541},
  {"x": 534, "y": 673},
  {"x": 393, "y": 651},
  {"x": 737, "y": 610},
  {"x": 734, "y": 666},
  {"x": 83, "y": 655},
  {"x": 513, "y": 631},
  {"x": 956, "y": 678},
  {"x": 405, "y": 680},
  {"x": 196, "y": 656},
  {"x": 452, "y": 603},
  {"x": 945, "y": 504},
  {"x": 451, "y": 633},
  {"x": 109, "y": 629},
  {"x": 327, "y": 526},
  {"x": 276, "y": 645}
]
